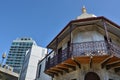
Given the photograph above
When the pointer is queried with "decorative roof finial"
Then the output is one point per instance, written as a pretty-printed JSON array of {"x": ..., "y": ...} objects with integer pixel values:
[
  {"x": 84, "y": 9},
  {"x": 85, "y": 14}
]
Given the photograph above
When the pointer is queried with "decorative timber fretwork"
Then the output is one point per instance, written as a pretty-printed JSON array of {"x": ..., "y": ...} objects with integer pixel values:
[
  {"x": 114, "y": 65},
  {"x": 63, "y": 68},
  {"x": 115, "y": 61},
  {"x": 58, "y": 71},
  {"x": 70, "y": 66},
  {"x": 103, "y": 64},
  {"x": 53, "y": 72},
  {"x": 77, "y": 62}
]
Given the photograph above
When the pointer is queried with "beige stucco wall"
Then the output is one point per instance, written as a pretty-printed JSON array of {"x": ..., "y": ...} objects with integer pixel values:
[
  {"x": 79, "y": 74},
  {"x": 78, "y": 37},
  {"x": 87, "y": 36}
]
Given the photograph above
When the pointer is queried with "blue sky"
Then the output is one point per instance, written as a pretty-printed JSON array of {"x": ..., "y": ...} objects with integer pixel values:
[{"x": 44, "y": 19}]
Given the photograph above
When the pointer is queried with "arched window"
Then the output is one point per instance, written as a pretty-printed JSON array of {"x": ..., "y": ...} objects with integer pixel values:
[{"x": 91, "y": 76}]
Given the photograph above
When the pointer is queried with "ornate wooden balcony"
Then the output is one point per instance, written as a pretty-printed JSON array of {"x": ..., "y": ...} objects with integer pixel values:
[{"x": 84, "y": 49}]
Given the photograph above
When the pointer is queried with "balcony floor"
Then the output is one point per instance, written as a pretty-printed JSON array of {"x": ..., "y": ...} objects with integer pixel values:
[
  {"x": 106, "y": 61},
  {"x": 77, "y": 54}
]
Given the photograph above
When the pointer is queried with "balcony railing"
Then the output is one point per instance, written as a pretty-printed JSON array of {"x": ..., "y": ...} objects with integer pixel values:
[
  {"x": 89, "y": 48},
  {"x": 114, "y": 49},
  {"x": 93, "y": 48}
]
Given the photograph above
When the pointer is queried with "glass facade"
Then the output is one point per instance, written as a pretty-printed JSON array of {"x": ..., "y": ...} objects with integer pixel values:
[{"x": 17, "y": 52}]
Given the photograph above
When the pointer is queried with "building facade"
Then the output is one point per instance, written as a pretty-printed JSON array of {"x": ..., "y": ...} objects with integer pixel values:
[
  {"x": 17, "y": 52},
  {"x": 88, "y": 48},
  {"x": 29, "y": 68},
  {"x": 41, "y": 67}
]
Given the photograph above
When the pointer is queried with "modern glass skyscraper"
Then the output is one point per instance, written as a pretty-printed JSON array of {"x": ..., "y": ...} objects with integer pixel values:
[{"x": 17, "y": 52}]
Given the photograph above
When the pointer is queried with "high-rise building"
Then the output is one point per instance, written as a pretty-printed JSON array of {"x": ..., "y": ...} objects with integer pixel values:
[
  {"x": 17, "y": 52},
  {"x": 32, "y": 58}
]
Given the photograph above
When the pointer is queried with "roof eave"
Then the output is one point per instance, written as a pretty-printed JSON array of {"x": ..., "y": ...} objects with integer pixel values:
[{"x": 82, "y": 20}]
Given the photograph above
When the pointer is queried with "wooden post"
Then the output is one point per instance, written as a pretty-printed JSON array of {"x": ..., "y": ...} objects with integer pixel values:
[
  {"x": 106, "y": 31},
  {"x": 56, "y": 45},
  {"x": 71, "y": 46}
]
